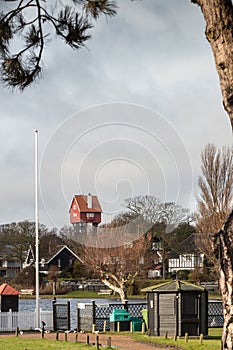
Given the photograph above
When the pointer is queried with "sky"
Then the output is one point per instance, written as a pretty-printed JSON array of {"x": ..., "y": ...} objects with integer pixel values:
[{"x": 128, "y": 115}]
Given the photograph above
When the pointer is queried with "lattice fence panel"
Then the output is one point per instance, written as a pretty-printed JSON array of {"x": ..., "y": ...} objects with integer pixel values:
[
  {"x": 215, "y": 314},
  {"x": 102, "y": 313}
]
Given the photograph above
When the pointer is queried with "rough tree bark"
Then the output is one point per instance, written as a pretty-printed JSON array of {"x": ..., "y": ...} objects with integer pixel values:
[
  {"x": 223, "y": 249},
  {"x": 119, "y": 286},
  {"x": 218, "y": 16}
]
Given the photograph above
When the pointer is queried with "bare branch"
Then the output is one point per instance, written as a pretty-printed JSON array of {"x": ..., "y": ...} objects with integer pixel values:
[{"x": 69, "y": 22}]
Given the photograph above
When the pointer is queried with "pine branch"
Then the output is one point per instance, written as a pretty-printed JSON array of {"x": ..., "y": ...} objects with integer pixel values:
[{"x": 70, "y": 23}]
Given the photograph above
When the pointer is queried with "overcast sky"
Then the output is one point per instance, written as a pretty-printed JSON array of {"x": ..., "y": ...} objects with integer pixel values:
[{"x": 127, "y": 115}]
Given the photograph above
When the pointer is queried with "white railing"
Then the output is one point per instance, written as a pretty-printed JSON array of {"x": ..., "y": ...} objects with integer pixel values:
[{"x": 25, "y": 320}]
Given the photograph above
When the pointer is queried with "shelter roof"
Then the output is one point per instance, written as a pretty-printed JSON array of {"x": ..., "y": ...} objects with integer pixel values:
[
  {"x": 173, "y": 286},
  {"x": 6, "y": 289}
]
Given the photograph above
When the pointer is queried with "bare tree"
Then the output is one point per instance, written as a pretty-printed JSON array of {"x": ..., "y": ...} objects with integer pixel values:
[
  {"x": 19, "y": 236},
  {"x": 215, "y": 198},
  {"x": 116, "y": 257},
  {"x": 214, "y": 207},
  {"x": 163, "y": 217},
  {"x": 154, "y": 211}
]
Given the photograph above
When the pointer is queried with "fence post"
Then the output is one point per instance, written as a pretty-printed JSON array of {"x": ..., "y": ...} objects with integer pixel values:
[
  {"x": 76, "y": 338},
  {"x": 10, "y": 319},
  {"x": 201, "y": 338},
  {"x": 43, "y": 329},
  {"x": 97, "y": 342},
  {"x": 125, "y": 305},
  {"x": 78, "y": 319},
  {"x": 105, "y": 324},
  {"x": 109, "y": 342},
  {"x": 68, "y": 315},
  {"x": 143, "y": 327},
  {"x": 93, "y": 311},
  {"x": 40, "y": 312},
  {"x": 54, "y": 315}
]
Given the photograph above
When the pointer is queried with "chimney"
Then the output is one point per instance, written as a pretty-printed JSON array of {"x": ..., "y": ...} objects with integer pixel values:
[{"x": 89, "y": 201}]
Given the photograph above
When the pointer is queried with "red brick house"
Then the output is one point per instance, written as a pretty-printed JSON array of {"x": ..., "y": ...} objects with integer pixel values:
[{"x": 85, "y": 209}]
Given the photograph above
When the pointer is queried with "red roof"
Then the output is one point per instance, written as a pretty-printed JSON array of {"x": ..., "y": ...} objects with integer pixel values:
[
  {"x": 82, "y": 203},
  {"x": 5, "y": 289}
]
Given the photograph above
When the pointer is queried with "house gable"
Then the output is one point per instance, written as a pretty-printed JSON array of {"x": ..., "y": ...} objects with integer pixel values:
[
  {"x": 30, "y": 259},
  {"x": 62, "y": 259}
]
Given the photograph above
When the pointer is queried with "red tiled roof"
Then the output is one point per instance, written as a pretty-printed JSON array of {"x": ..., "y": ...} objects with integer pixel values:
[
  {"x": 5, "y": 289},
  {"x": 82, "y": 203}
]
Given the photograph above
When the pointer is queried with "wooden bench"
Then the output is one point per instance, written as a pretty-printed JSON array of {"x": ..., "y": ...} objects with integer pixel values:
[
  {"x": 27, "y": 291},
  {"x": 105, "y": 291}
]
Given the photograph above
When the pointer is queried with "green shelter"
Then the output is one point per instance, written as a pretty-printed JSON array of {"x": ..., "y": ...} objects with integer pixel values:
[{"x": 176, "y": 308}]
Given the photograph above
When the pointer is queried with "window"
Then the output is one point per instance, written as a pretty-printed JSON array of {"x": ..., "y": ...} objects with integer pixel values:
[
  {"x": 128, "y": 245},
  {"x": 156, "y": 246},
  {"x": 70, "y": 262},
  {"x": 90, "y": 215},
  {"x": 58, "y": 262},
  {"x": 2, "y": 273},
  {"x": 141, "y": 260}
]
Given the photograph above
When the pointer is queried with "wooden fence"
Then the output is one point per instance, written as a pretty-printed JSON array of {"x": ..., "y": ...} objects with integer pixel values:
[
  {"x": 88, "y": 314},
  {"x": 24, "y": 320}
]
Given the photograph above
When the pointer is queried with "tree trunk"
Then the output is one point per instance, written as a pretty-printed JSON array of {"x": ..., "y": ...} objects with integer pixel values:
[
  {"x": 223, "y": 248},
  {"x": 119, "y": 290},
  {"x": 218, "y": 16},
  {"x": 54, "y": 287}
]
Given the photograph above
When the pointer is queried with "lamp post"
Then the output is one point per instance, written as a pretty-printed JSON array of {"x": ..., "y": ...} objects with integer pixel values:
[{"x": 36, "y": 231}]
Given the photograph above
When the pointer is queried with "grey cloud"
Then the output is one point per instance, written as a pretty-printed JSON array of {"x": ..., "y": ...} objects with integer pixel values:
[{"x": 154, "y": 54}]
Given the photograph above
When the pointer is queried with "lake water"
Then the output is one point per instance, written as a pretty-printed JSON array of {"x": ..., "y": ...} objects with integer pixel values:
[{"x": 47, "y": 304}]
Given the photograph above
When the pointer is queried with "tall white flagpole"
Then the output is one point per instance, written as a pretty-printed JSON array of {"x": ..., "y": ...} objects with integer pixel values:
[{"x": 37, "y": 231}]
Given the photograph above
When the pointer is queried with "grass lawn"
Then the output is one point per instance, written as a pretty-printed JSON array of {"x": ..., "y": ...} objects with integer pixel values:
[
  {"x": 213, "y": 342},
  {"x": 73, "y": 294},
  {"x": 82, "y": 294},
  {"x": 17, "y": 343}
]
